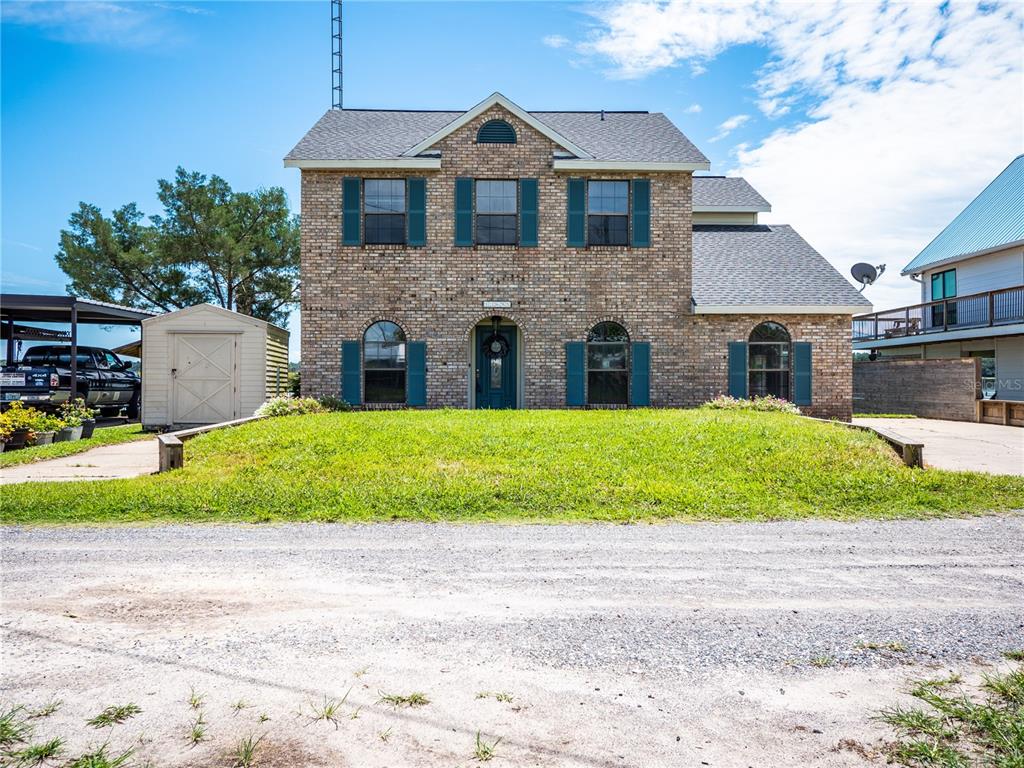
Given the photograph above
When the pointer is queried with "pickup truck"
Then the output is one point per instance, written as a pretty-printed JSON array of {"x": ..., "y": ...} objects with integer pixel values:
[{"x": 43, "y": 380}]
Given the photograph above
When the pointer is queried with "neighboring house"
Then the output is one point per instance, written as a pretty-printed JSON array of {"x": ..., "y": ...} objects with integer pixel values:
[
  {"x": 499, "y": 258},
  {"x": 972, "y": 294}
]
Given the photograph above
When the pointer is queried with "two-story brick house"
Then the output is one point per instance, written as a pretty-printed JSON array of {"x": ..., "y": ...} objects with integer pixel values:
[{"x": 498, "y": 258}]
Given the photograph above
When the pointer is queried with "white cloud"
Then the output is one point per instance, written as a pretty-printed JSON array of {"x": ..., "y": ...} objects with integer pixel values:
[
  {"x": 693, "y": 109},
  {"x": 910, "y": 109},
  {"x": 555, "y": 41},
  {"x": 728, "y": 126},
  {"x": 97, "y": 22}
]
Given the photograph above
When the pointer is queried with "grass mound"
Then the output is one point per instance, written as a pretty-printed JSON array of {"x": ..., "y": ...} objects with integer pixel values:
[{"x": 528, "y": 466}]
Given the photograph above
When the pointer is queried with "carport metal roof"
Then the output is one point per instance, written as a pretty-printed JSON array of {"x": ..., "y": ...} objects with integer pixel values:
[{"x": 27, "y": 307}]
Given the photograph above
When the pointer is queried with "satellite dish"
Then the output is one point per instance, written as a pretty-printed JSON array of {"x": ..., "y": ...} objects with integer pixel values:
[{"x": 865, "y": 274}]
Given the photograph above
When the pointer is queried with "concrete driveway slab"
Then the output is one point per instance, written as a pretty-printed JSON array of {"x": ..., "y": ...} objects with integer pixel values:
[
  {"x": 960, "y": 445},
  {"x": 107, "y": 462},
  {"x": 589, "y": 645}
]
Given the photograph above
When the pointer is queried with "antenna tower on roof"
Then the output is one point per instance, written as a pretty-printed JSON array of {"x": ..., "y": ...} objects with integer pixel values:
[{"x": 336, "y": 82}]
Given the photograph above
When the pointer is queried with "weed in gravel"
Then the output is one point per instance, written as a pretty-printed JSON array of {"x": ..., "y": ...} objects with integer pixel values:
[
  {"x": 13, "y": 728},
  {"x": 360, "y": 672},
  {"x": 823, "y": 661},
  {"x": 384, "y": 735},
  {"x": 245, "y": 751},
  {"x": 100, "y": 759},
  {"x": 328, "y": 710},
  {"x": 47, "y": 709},
  {"x": 197, "y": 731},
  {"x": 961, "y": 729},
  {"x": 264, "y": 717},
  {"x": 239, "y": 705},
  {"x": 893, "y": 645},
  {"x": 34, "y": 754},
  {"x": 934, "y": 684},
  {"x": 414, "y": 699},
  {"x": 355, "y": 713},
  {"x": 484, "y": 751},
  {"x": 114, "y": 715},
  {"x": 196, "y": 699},
  {"x": 1014, "y": 655}
]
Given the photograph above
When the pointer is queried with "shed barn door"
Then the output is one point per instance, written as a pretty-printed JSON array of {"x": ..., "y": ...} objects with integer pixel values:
[{"x": 204, "y": 378}]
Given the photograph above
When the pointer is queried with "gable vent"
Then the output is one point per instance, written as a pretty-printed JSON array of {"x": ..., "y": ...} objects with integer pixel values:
[{"x": 496, "y": 132}]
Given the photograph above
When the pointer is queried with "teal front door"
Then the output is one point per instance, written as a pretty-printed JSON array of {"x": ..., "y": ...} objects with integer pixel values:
[{"x": 496, "y": 367}]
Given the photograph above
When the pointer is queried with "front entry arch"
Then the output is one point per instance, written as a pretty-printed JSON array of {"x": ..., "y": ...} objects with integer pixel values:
[{"x": 496, "y": 362}]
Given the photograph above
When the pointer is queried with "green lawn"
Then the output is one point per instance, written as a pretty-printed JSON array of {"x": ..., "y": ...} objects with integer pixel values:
[
  {"x": 103, "y": 436},
  {"x": 525, "y": 465}
]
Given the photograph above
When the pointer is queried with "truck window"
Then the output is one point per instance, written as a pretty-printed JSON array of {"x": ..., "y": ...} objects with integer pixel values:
[{"x": 50, "y": 356}]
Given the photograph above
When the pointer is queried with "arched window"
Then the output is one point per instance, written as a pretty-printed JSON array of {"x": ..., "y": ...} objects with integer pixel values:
[
  {"x": 384, "y": 363},
  {"x": 768, "y": 361},
  {"x": 607, "y": 365},
  {"x": 496, "y": 132}
]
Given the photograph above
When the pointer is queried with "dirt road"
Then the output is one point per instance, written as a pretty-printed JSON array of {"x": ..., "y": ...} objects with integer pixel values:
[{"x": 669, "y": 645}]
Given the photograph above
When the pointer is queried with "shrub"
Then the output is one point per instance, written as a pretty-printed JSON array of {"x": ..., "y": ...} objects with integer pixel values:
[
  {"x": 46, "y": 422},
  {"x": 286, "y": 405},
  {"x": 74, "y": 412},
  {"x": 17, "y": 417},
  {"x": 295, "y": 383},
  {"x": 332, "y": 403},
  {"x": 766, "y": 403}
]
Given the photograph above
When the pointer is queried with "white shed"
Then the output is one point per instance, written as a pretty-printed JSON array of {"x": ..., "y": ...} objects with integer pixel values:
[{"x": 206, "y": 364}]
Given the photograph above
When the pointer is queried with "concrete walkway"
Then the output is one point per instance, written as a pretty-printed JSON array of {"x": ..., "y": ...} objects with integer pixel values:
[
  {"x": 104, "y": 463},
  {"x": 961, "y": 445}
]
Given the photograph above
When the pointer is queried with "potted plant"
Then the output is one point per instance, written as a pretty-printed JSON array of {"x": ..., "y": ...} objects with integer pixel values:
[
  {"x": 71, "y": 415},
  {"x": 46, "y": 427},
  {"x": 20, "y": 422}
]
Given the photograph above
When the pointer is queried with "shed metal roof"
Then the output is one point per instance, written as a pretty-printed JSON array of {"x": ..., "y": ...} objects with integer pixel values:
[
  {"x": 761, "y": 266},
  {"x": 993, "y": 220}
]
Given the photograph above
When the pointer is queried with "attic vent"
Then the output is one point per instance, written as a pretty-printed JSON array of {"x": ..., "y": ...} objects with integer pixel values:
[{"x": 496, "y": 132}]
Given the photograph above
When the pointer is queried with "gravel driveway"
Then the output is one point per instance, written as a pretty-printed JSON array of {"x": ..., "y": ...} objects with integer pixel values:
[{"x": 667, "y": 645}]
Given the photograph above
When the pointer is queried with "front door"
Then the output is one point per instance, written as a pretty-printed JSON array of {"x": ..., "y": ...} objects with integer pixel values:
[
  {"x": 204, "y": 378},
  {"x": 496, "y": 367}
]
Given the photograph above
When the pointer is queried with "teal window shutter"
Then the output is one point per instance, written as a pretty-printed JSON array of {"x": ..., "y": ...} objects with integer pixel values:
[
  {"x": 640, "y": 378},
  {"x": 463, "y": 211},
  {"x": 350, "y": 211},
  {"x": 416, "y": 373},
  {"x": 575, "y": 373},
  {"x": 416, "y": 190},
  {"x": 641, "y": 213},
  {"x": 351, "y": 374},
  {"x": 802, "y": 372},
  {"x": 576, "y": 214},
  {"x": 528, "y": 212},
  {"x": 738, "y": 369}
]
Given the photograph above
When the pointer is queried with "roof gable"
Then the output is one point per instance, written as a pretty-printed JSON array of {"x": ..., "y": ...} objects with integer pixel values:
[
  {"x": 496, "y": 99},
  {"x": 993, "y": 220}
]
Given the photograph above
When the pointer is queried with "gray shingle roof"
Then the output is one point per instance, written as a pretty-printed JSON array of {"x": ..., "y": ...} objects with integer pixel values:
[
  {"x": 370, "y": 134},
  {"x": 764, "y": 265},
  {"x": 726, "y": 192}
]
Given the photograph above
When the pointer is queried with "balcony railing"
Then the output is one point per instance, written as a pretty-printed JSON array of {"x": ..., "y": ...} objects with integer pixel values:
[{"x": 979, "y": 310}]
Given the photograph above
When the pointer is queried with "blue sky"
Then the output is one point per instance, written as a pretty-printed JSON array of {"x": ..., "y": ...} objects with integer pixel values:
[{"x": 101, "y": 99}]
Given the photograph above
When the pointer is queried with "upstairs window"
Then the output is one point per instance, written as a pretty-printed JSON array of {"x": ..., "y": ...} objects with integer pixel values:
[
  {"x": 496, "y": 212},
  {"x": 607, "y": 365},
  {"x": 608, "y": 212},
  {"x": 384, "y": 211},
  {"x": 768, "y": 362},
  {"x": 384, "y": 363},
  {"x": 944, "y": 287},
  {"x": 496, "y": 132}
]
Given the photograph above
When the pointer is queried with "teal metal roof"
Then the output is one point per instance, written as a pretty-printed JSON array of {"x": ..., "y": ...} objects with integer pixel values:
[{"x": 994, "y": 218}]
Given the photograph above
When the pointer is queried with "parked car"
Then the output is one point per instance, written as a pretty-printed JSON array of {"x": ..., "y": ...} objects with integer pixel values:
[{"x": 43, "y": 379}]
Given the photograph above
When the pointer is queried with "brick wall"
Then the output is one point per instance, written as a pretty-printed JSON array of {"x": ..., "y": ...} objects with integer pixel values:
[
  {"x": 436, "y": 293},
  {"x": 934, "y": 389}
]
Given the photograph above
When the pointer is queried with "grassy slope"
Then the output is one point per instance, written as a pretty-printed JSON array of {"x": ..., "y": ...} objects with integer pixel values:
[
  {"x": 540, "y": 465},
  {"x": 103, "y": 436}
]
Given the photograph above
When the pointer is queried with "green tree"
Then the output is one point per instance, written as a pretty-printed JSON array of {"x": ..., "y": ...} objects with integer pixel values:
[{"x": 238, "y": 250}]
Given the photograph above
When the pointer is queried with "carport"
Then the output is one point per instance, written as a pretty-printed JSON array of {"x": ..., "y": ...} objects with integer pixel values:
[{"x": 19, "y": 308}]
